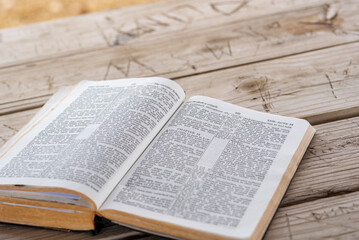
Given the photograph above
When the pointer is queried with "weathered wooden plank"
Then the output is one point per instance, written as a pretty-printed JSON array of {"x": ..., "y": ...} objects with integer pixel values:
[
  {"x": 106, "y": 29},
  {"x": 328, "y": 218},
  {"x": 10, "y": 124},
  {"x": 186, "y": 52},
  {"x": 330, "y": 165},
  {"x": 314, "y": 85}
]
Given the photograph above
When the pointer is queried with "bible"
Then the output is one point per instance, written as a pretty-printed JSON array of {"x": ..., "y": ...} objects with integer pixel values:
[{"x": 139, "y": 153}]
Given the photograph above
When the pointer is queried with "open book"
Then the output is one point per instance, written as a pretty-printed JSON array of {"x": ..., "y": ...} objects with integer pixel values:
[{"x": 134, "y": 152}]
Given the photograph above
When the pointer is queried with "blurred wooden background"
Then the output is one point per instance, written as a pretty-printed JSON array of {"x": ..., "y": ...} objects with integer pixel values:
[{"x": 19, "y": 12}]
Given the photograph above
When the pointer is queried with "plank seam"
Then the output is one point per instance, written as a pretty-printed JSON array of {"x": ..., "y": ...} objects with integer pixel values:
[
  {"x": 265, "y": 60},
  {"x": 328, "y": 194},
  {"x": 109, "y": 46}
]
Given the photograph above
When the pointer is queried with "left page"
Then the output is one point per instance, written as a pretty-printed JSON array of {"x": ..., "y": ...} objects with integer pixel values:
[
  {"x": 92, "y": 137},
  {"x": 52, "y": 102}
]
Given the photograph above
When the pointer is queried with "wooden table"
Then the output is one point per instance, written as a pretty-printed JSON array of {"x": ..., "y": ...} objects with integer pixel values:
[{"x": 295, "y": 58}]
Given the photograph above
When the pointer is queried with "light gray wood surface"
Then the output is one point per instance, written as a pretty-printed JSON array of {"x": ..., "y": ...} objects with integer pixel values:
[{"x": 294, "y": 58}]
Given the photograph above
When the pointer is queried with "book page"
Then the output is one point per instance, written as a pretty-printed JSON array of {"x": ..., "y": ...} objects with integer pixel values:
[
  {"x": 214, "y": 168},
  {"x": 52, "y": 102},
  {"x": 90, "y": 140}
]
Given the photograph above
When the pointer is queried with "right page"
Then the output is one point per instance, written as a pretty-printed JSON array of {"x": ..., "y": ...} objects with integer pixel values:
[{"x": 215, "y": 168}]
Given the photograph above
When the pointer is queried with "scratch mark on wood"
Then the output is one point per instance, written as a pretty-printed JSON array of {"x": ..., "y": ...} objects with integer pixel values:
[
  {"x": 222, "y": 7},
  {"x": 107, "y": 69},
  {"x": 188, "y": 6},
  {"x": 316, "y": 216},
  {"x": 274, "y": 24},
  {"x": 147, "y": 24},
  {"x": 122, "y": 37},
  {"x": 346, "y": 71},
  {"x": 257, "y": 33},
  {"x": 356, "y": 123},
  {"x": 345, "y": 210},
  {"x": 142, "y": 29},
  {"x": 3, "y": 139},
  {"x": 320, "y": 217},
  {"x": 126, "y": 70},
  {"x": 157, "y": 22},
  {"x": 138, "y": 30},
  {"x": 182, "y": 14},
  {"x": 186, "y": 63},
  {"x": 229, "y": 48},
  {"x": 144, "y": 65},
  {"x": 288, "y": 226},
  {"x": 173, "y": 18},
  {"x": 128, "y": 67},
  {"x": 266, "y": 97},
  {"x": 7, "y": 85},
  {"x": 211, "y": 50},
  {"x": 248, "y": 31},
  {"x": 287, "y": 94},
  {"x": 336, "y": 211},
  {"x": 103, "y": 35},
  {"x": 331, "y": 85},
  {"x": 11, "y": 128},
  {"x": 265, "y": 104},
  {"x": 254, "y": 85},
  {"x": 49, "y": 81},
  {"x": 222, "y": 50}
]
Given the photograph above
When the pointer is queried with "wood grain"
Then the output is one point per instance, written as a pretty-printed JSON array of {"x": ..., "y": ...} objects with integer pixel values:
[
  {"x": 179, "y": 53},
  {"x": 93, "y": 32},
  {"x": 330, "y": 165},
  {"x": 10, "y": 124},
  {"x": 315, "y": 85},
  {"x": 328, "y": 218}
]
